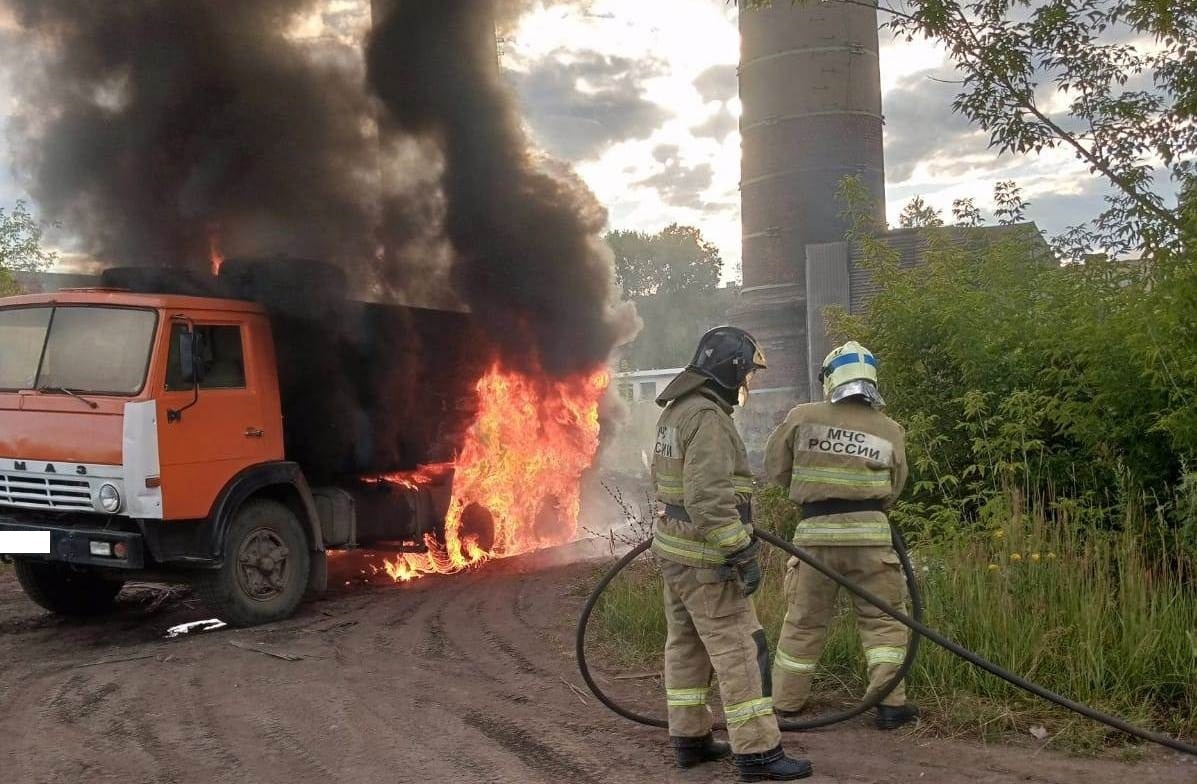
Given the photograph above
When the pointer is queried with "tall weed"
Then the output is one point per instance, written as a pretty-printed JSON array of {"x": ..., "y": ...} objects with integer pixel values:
[{"x": 1092, "y": 615}]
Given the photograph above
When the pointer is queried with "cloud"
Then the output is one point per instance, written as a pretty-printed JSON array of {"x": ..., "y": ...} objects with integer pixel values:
[
  {"x": 677, "y": 184},
  {"x": 1054, "y": 213},
  {"x": 581, "y": 102},
  {"x": 720, "y": 124},
  {"x": 921, "y": 126},
  {"x": 718, "y": 83}
]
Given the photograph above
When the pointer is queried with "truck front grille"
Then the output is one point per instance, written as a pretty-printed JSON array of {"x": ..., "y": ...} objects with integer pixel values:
[{"x": 49, "y": 492}]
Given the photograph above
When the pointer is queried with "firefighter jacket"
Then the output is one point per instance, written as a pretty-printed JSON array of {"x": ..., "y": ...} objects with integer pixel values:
[
  {"x": 844, "y": 463},
  {"x": 700, "y": 471}
]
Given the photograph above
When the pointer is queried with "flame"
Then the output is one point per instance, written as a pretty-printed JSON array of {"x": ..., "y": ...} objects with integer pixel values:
[
  {"x": 412, "y": 480},
  {"x": 522, "y": 461},
  {"x": 215, "y": 254}
]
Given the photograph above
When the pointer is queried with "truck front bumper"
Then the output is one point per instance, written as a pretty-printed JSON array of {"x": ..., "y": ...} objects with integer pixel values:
[{"x": 73, "y": 545}]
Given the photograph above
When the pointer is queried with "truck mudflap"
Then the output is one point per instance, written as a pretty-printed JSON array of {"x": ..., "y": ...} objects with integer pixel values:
[{"x": 83, "y": 546}]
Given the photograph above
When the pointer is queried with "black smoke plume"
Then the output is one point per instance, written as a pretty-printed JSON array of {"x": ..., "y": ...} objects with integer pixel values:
[
  {"x": 527, "y": 258},
  {"x": 150, "y": 129}
]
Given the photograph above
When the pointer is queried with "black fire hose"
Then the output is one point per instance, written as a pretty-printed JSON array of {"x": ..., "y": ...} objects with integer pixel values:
[
  {"x": 871, "y": 700},
  {"x": 915, "y": 625}
]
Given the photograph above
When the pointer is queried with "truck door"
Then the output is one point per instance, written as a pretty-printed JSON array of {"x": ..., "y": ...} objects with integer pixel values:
[{"x": 207, "y": 436}]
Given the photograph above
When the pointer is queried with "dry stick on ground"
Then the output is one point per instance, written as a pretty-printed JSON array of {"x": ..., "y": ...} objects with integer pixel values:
[
  {"x": 577, "y": 692},
  {"x": 117, "y": 661},
  {"x": 264, "y": 652}
]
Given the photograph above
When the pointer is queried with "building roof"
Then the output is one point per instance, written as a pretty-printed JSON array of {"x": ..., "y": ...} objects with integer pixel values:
[{"x": 911, "y": 245}]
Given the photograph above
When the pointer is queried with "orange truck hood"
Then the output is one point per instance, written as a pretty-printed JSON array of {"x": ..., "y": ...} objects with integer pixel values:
[{"x": 59, "y": 428}]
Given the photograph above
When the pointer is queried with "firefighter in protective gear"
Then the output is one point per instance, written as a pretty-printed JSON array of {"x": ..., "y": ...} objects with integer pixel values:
[
  {"x": 708, "y": 559},
  {"x": 844, "y": 462}
]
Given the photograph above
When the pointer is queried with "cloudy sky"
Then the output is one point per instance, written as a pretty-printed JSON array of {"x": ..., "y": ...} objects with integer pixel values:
[{"x": 641, "y": 98}]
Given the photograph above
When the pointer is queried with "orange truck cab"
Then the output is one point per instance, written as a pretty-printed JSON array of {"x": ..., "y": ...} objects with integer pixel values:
[{"x": 144, "y": 432}]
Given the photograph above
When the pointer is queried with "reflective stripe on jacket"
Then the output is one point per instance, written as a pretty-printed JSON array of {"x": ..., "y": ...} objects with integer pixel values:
[
  {"x": 700, "y": 463},
  {"x": 843, "y": 451}
]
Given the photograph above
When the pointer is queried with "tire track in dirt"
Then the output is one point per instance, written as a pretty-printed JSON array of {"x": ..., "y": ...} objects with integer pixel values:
[
  {"x": 454, "y": 679},
  {"x": 206, "y": 733},
  {"x": 424, "y": 758},
  {"x": 24, "y": 719},
  {"x": 493, "y": 608},
  {"x": 292, "y": 749},
  {"x": 384, "y": 638},
  {"x": 77, "y": 699},
  {"x": 526, "y": 592},
  {"x": 137, "y": 732},
  {"x": 524, "y": 665},
  {"x": 263, "y": 729},
  {"x": 532, "y": 752},
  {"x": 545, "y": 725},
  {"x": 444, "y": 702},
  {"x": 54, "y": 708},
  {"x": 437, "y": 644}
]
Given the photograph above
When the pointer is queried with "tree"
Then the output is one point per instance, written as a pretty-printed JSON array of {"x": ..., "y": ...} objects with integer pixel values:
[
  {"x": 675, "y": 260},
  {"x": 1012, "y": 374},
  {"x": 919, "y": 214},
  {"x": 20, "y": 247},
  {"x": 1010, "y": 207},
  {"x": 1125, "y": 66},
  {"x": 673, "y": 276},
  {"x": 967, "y": 214}
]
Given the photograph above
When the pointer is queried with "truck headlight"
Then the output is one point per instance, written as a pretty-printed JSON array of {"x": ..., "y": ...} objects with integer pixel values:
[{"x": 110, "y": 498}]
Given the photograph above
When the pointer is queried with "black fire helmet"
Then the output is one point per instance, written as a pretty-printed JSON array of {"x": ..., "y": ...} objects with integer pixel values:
[{"x": 727, "y": 355}]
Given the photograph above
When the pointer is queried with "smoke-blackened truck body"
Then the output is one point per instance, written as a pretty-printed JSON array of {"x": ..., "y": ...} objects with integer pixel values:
[{"x": 226, "y": 440}]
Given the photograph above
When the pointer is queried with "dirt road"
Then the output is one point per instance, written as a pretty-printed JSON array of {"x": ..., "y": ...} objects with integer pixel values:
[{"x": 466, "y": 678}]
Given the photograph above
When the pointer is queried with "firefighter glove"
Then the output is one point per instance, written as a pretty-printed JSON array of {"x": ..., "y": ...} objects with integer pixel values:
[{"x": 744, "y": 566}]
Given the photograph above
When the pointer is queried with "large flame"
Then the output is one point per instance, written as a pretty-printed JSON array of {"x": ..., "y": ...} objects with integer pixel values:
[{"x": 522, "y": 462}]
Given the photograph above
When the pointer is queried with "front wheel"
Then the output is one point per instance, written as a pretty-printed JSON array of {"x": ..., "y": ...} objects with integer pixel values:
[
  {"x": 62, "y": 590},
  {"x": 265, "y": 569}
]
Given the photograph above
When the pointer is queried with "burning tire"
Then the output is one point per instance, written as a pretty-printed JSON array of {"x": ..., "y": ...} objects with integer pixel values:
[
  {"x": 478, "y": 524},
  {"x": 265, "y": 569},
  {"x": 66, "y": 592}
]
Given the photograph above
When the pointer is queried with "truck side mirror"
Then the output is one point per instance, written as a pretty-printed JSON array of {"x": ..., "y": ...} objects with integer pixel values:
[
  {"x": 191, "y": 368},
  {"x": 191, "y": 357}
]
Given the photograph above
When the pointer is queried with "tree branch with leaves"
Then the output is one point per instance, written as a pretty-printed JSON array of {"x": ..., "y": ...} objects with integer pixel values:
[
  {"x": 1128, "y": 69},
  {"x": 20, "y": 247}
]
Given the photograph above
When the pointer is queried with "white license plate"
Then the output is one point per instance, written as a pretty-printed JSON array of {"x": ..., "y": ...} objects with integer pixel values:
[{"x": 24, "y": 542}]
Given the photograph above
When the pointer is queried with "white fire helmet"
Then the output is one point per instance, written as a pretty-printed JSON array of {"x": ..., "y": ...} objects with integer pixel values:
[{"x": 851, "y": 371}]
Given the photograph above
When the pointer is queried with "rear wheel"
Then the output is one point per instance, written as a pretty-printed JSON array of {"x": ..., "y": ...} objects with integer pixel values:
[
  {"x": 62, "y": 590},
  {"x": 265, "y": 568}
]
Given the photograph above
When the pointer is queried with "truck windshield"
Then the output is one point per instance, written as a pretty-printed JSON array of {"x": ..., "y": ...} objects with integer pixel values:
[{"x": 97, "y": 350}]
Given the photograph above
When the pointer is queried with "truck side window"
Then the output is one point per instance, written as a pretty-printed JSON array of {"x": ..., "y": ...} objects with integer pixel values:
[{"x": 221, "y": 353}]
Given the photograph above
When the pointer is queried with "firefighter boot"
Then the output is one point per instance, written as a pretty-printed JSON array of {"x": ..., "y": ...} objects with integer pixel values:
[
  {"x": 772, "y": 766},
  {"x": 695, "y": 751},
  {"x": 890, "y": 717}
]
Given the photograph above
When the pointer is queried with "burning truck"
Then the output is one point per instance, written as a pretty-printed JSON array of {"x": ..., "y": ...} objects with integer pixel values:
[{"x": 233, "y": 431}]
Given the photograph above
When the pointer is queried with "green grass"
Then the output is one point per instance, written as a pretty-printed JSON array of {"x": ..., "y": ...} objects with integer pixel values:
[{"x": 1092, "y": 618}]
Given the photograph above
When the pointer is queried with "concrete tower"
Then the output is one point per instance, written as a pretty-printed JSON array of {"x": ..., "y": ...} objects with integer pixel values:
[{"x": 811, "y": 88}]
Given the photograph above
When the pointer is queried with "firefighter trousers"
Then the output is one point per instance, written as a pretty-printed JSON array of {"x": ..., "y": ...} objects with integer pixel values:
[
  {"x": 713, "y": 630},
  {"x": 811, "y": 600}
]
